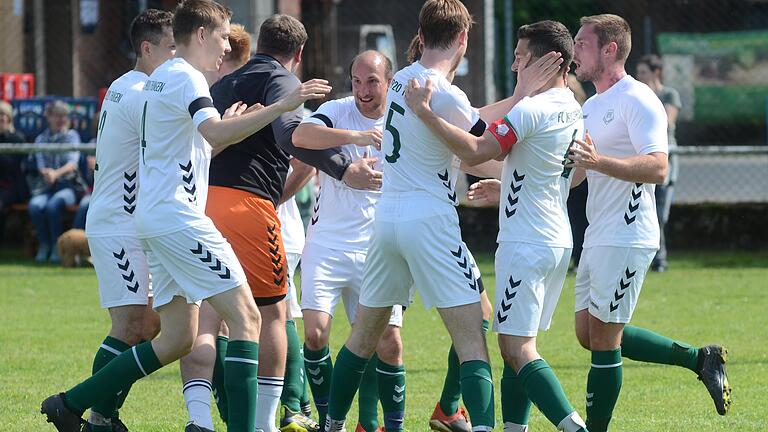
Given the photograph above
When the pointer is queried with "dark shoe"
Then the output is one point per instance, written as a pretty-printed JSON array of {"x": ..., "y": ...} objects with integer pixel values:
[
  {"x": 60, "y": 415},
  {"x": 191, "y": 427},
  {"x": 118, "y": 425},
  {"x": 306, "y": 409},
  {"x": 712, "y": 373}
]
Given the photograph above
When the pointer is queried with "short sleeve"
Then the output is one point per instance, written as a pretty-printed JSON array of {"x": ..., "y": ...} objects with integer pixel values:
[
  {"x": 453, "y": 106},
  {"x": 647, "y": 124},
  {"x": 672, "y": 98},
  {"x": 326, "y": 115},
  {"x": 197, "y": 98},
  {"x": 522, "y": 119}
]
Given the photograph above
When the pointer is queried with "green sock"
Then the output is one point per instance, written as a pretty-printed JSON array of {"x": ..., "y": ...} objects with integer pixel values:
[
  {"x": 646, "y": 346},
  {"x": 368, "y": 397},
  {"x": 304, "y": 399},
  {"x": 348, "y": 372},
  {"x": 241, "y": 366},
  {"x": 449, "y": 398},
  {"x": 217, "y": 381},
  {"x": 123, "y": 370},
  {"x": 123, "y": 395},
  {"x": 477, "y": 392},
  {"x": 392, "y": 395},
  {"x": 515, "y": 404},
  {"x": 544, "y": 389},
  {"x": 109, "y": 349},
  {"x": 294, "y": 364},
  {"x": 319, "y": 367},
  {"x": 603, "y": 387},
  {"x": 100, "y": 428}
]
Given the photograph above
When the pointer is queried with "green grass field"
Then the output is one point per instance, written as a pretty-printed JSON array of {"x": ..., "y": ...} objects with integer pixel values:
[{"x": 51, "y": 326}]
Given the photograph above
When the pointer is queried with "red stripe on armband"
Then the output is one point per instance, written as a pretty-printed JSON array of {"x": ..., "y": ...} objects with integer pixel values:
[{"x": 504, "y": 133}]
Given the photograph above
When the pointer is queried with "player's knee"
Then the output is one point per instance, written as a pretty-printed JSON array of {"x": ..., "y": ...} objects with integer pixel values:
[
  {"x": 390, "y": 347},
  {"x": 583, "y": 337},
  {"x": 518, "y": 356},
  {"x": 315, "y": 338}
]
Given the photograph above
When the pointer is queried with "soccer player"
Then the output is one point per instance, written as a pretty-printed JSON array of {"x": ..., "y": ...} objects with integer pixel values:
[
  {"x": 534, "y": 238},
  {"x": 120, "y": 264},
  {"x": 187, "y": 256},
  {"x": 416, "y": 236},
  {"x": 448, "y": 416},
  {"x": 295, "y": 397},
  {"x": 337, "y": 244},
  {"x": 247, "y": 182},
  {"x": 624, "y": 155}
]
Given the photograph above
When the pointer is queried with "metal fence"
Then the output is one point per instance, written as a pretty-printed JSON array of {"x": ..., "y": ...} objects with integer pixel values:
[{"x": 725, "y": 175}]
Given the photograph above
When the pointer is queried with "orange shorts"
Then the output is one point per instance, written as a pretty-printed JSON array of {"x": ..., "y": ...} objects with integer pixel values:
[{"x": 250, "y": 225}]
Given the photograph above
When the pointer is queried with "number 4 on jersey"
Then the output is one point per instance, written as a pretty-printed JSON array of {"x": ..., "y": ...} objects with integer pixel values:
[{"x": 393, "y": 107}]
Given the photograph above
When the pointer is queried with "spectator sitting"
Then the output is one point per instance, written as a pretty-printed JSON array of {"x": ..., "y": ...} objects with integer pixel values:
[
  {"x": 12, "y": 186},
  {"x": 57, "y": 185}
]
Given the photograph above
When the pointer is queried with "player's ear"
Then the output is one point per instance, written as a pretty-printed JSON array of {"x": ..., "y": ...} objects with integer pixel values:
[
  {"x": 200, "y": 33},
  {"x": 611, "y": 48},
  {"x": 144, "y": 47}
]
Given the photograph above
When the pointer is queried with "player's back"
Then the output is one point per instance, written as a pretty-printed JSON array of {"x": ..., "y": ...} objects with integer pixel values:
[
  {"x": 116, "y": 182},
  {"x": 415, "y": 160},
  {"x": 535, "y": 184},
  {"x": 174, "y": 156}
]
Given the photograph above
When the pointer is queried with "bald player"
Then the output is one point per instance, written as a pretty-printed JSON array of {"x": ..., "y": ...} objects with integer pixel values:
[{"x": 337, "y": 244}]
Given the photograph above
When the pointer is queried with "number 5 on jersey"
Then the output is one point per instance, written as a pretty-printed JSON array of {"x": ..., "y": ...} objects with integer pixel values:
[{"x": 393, "y": 107}]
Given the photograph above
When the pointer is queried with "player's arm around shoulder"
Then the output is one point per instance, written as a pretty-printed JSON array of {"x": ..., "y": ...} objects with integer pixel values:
[
  {"x": 471, "y": 149},
  {"x": 319, "y": 131},
  {"x": 240, "y": 121}
]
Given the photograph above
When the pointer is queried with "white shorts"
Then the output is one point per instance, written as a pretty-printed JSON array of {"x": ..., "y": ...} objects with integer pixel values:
[
  {"x": 426, "y": 252},
  {"x": 330, "y": 275},
  {"x": 122, "y": 271},
  {"x": 609, "y": 280},
  {"x": 529, "y": 280},
  {"x": 294, "y": 310},
  {"x": 196, "y": 263}
]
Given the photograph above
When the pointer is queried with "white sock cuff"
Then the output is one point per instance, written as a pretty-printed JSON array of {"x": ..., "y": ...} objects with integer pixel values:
[
  {"x": 572, "y": 423},
  {"x": 197, "y": 382},
  {"x": 271, "y": 385},
  {"x": 514, "y": 427}
]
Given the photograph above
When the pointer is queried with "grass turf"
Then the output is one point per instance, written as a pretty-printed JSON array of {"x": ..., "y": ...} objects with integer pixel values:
[{"x": 51, "y": 327}]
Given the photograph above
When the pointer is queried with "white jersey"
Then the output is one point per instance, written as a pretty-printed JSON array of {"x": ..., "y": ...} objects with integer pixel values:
[
  {"x": 174, "y": 159},
  {"x": 291, "y": 226},
  {"x": 534, "y": 185},
  {"x": 343, "y": 217},
  {"x": 116, "y": 182},
  {"x": 415, "y": 159},
  {"x": 626, "y": 120}
]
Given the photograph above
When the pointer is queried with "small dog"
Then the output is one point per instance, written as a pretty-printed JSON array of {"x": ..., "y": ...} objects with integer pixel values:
[{"x": 73, "y": 249}]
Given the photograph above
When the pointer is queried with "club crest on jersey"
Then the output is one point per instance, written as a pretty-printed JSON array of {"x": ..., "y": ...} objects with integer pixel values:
[
  {"x": 608, "y": 117},
  {"x": 502, "y": 129}
]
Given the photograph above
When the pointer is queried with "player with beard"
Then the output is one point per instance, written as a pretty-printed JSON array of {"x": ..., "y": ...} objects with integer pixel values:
[{"x": 624, "y": 156}]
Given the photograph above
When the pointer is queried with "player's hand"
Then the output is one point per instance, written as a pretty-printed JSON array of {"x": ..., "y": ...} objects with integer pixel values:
[
  {"x": 532, "y": 77},
  {"x": 368, "y": 138},
  {"x": 312, "y": 89},
  {"x": 485, "y": 193},
  {"x": 255, "y": 107},
  {"x": 583, "y": 154},
  {"x": 361, "y": 175},
  {"x": 418, "y": 97},
  {"x": 237, "y": 109}
]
